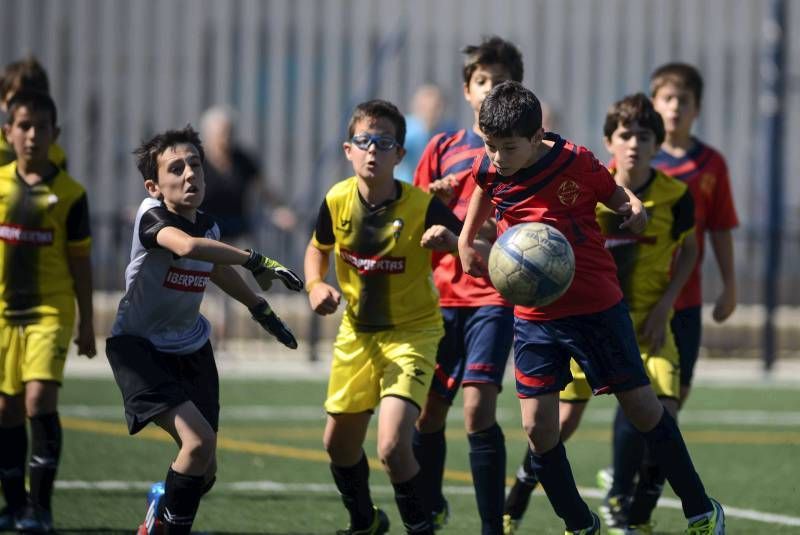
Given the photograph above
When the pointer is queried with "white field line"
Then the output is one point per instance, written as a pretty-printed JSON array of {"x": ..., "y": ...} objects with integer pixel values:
[
  {"x": 303, "y": 413},
  {"x": 328, "y": 488}
]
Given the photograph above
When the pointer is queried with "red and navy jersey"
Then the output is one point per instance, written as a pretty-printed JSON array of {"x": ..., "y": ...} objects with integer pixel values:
[
  {"x": 561, "y": 189},
  {"x": 704, "y": 170},
  {"x": 454, "y": 153}
]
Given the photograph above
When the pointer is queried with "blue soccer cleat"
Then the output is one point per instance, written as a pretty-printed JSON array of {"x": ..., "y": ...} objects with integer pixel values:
[
  {"x": 152, "y": 525},
  {"x": 713, "y": 524},
  {"x": 35, "y": 519}
]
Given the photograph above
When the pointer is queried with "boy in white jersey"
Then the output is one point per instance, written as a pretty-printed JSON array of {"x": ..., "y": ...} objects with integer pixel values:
[{"x": 159, "y": 349}]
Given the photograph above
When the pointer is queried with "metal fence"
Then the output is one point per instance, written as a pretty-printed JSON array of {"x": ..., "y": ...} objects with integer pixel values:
[{"x": 123, "y": 69}]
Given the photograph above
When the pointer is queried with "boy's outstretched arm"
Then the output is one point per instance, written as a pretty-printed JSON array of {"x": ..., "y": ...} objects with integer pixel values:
[
  {"x": 624, "y": 202},
  {"x": 80, "y": 266},
  {"x": 229, "y": 281},
  {"x": 219, "y": 253},
  {"x": 323, "y": 298},
  {"x": 480, "y": 208},
  {"x": 722, "y": 243},
  {"x": 654, "y": 330}
]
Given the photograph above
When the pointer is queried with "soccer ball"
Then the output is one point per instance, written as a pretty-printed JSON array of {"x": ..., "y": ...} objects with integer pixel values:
[{"x": 531, "y": 264}]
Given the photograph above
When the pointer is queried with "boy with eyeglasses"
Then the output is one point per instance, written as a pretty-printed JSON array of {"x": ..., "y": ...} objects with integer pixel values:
[{"x": 381, "y": 232}]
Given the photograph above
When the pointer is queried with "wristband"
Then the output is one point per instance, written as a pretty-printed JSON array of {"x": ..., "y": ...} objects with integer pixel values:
[{"x": 310, "y": 284}]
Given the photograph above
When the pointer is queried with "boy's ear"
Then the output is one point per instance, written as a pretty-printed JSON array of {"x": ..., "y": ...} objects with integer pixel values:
[
  {"x": 152, "y": 188},
  {"x": 401, "y": 151},
  {"x": 607, "y": 143},
  {"x": 347, "y": 148},
  {"x": 466, "y": 91},
  {"x": 56, "y": 133}
]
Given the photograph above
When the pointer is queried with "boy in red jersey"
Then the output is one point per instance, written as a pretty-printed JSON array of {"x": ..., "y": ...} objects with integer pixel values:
[
  {"x": 677, "y": 91},
  {"x": 528, "y": 175},
  {"x": 478, "y": 321}
]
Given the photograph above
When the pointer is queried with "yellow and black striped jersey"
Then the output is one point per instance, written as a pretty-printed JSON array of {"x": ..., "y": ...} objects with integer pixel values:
[
  {"x": 55, "y": 154},
  {"x": 39, "y": 226},
  {"x": 384, "y": 273},
  {"x": 644, "y": 261}
]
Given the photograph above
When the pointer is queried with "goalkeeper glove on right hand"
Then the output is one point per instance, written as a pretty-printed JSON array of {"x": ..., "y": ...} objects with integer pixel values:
[
  {"x": 271, "y": 323},
  {"x": 265, "y": 270}
]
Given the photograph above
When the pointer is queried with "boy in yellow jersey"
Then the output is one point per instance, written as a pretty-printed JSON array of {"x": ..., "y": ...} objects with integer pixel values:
[
  {"x": 25, "y": 75},
  {"x": 45, "y": 268},
  {"x": 384, "y": 354},
  {"x": 650, "y": 283}
]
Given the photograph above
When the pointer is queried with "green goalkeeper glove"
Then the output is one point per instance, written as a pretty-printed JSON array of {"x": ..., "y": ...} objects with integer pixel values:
[
  {"x": 271, "y": 323},
  {"x": 265, "y": 270}
]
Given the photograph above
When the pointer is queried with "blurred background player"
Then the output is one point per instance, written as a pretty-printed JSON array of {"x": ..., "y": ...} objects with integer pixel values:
[
  {"x": 235, "y": 194},
  {"x": 426, "y": 118},
  {"x": 377, "y": 226},
  {"x": 159, "y": 349},
  {"x": 45, "y": 247},
  {"x": 677, "y": 92},
  {"x": 478, "y": 321},
  {"x": 25, "y": 75},
  {"x": 528, "y": 175}
]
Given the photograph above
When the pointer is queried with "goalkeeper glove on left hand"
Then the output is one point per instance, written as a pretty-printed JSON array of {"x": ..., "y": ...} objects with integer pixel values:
[
  {"x": 271, "y": 323},
  {"x": 265, "y": 270}
]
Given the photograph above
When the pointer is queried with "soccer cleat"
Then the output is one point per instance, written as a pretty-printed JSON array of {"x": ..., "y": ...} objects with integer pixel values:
[
  {"x": 640, "y": 529},
  {"x": 9, "y": 518},
  {"x": 152, "y": 525},
  {"x": 713, "y": 524},
  {"x": 614, "y": 511},
  {"x": 379, "y": 525},
  {"x": 510, "y": 525},
  {"x": 35, "y": 519},
  {"x": 439, "y": 518},
  {"x": 594, "y": 529},
  {"x": 605, "y": 478}
]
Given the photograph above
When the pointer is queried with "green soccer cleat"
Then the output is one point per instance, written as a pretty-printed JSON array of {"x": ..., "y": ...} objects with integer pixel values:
[
  {"x": 605, "y": 478},
  {"x": 614, "y": 511},
  {"x": 510, "y": 525},
  {"x": 594, "y": 529},
  {"x": 439, "y": 518},
  {"x": 379, "y": 525},
  {"x": 713, "y": 524}
]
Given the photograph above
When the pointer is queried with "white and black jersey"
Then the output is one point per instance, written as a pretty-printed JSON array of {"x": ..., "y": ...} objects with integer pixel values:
[{"x": 163, "y": 292}]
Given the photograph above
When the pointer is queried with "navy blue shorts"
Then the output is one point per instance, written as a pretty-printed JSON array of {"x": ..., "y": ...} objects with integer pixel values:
[
  {"x": 603, "y": 344},
  {"x": 687, "y": 328},
  {"x": 474, "y": 348}
]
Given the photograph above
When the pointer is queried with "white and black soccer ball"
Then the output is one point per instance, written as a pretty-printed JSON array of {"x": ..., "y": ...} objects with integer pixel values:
[{"x": 532, "y": 264}]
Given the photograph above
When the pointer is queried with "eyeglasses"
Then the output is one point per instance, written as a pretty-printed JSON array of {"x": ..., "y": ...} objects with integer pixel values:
[{"x": 382, "y": 143}]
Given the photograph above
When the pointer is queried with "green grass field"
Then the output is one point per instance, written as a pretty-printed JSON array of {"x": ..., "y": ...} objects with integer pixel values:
[{"x": 273, "y": 474}]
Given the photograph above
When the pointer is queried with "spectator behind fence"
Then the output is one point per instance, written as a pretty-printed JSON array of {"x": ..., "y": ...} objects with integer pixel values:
[
  {"x": 425, "y": 119},
  {"x": 235, "y": 189}
]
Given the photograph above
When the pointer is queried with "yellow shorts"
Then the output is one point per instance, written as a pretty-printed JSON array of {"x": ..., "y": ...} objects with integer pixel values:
[
  {"x": 34, "y": 351},
  {"x": 369, "y": 366},
  {"x": 663, "y": 369}
]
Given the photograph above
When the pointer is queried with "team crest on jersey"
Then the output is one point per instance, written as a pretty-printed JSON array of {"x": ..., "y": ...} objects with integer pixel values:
[
  {"x": 397, "y": 227},
  {"x": 185, "y": 280},
  {"x": 373, "y": 264},
  {"x": 568, "y": 192},
  {"x": 707, "y": 183},
  {"x": 19, "y": 235}
]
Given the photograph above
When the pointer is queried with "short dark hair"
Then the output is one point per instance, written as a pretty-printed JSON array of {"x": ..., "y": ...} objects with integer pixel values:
[
  {"x": 35, "y": 102},
  {"x": 148, "y": 152},
  {"x": 375, "y": 109},
  {"x": 25, "y": 74},
  {"x": 634, "y": 109},
  {"x": 493, "y": 50},
  {"x": 681, "y": 74},
  {"x": 510, "y": 109}
]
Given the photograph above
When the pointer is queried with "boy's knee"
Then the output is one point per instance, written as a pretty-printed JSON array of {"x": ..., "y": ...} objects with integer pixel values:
[
  {"x": 201, "y": 449},
  {"x": 543, "y": 435}
]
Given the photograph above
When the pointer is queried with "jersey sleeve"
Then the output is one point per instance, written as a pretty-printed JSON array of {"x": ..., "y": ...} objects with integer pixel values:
[
  {"x": 323, "y": 237},
  {"x": 78, "y": 228},
  {"x": 428, "y": 168},
  {"x": 439, "y": 214},
  {"x": 721, "y": 214},
  {"x": 151, "y": 222},
  {"x": 597, "y": 177},
  {"x": 683, "y": 216}
]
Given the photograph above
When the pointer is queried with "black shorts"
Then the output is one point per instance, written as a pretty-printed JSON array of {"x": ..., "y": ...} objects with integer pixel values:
[{"x": 152, "y": 381}]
